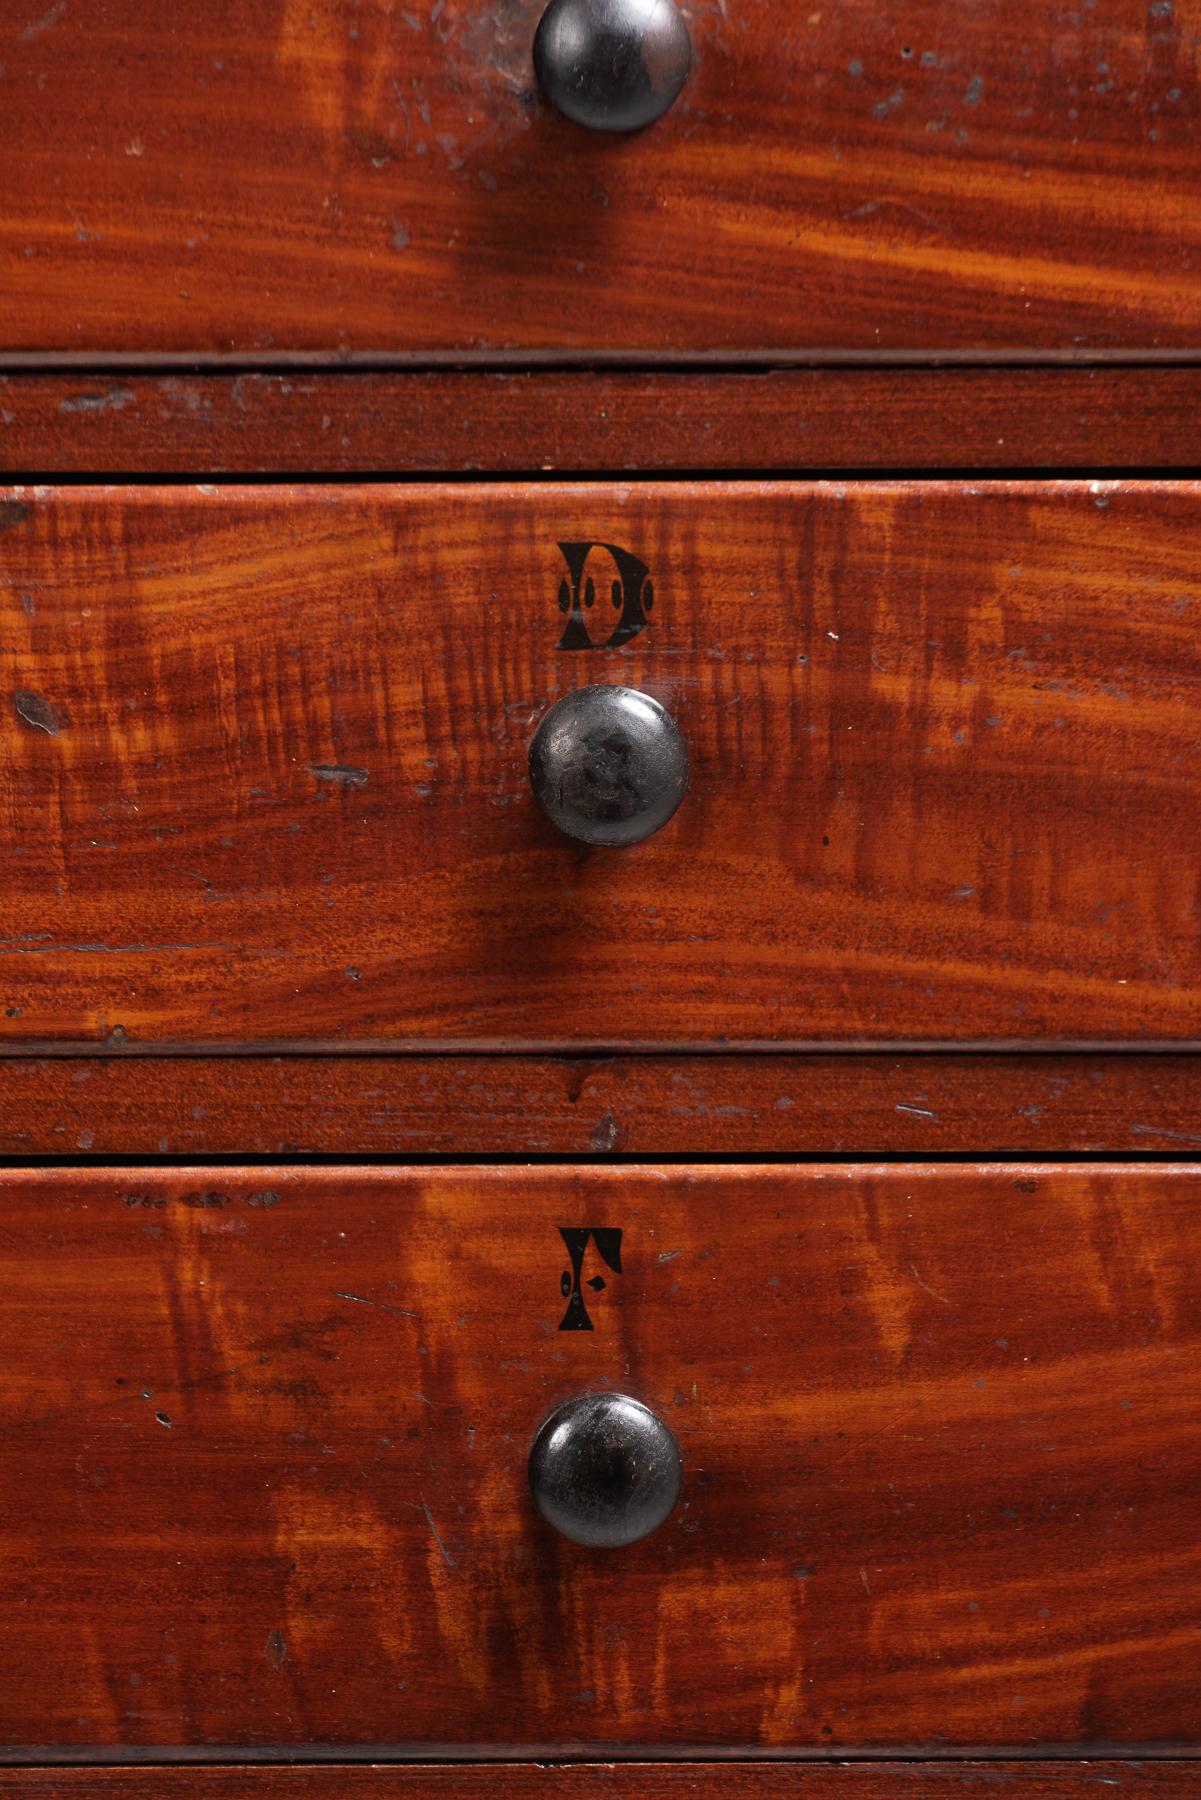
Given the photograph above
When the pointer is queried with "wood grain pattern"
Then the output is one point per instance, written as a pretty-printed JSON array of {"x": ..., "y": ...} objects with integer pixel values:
[
  {"x": 513, "y": 1105},
  {"x": 264, "y": 766},
  {"x": 266, "y": 1433},
  {"x": 450, "y": 420},
  {"x": 616, "y": 1781},
  {"x": 342, "y": 177}
]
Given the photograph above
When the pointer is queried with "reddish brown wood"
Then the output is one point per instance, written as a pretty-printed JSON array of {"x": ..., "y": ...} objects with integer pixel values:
[
  {"x": 274, "y": 177},
  {"x": 785, "y": 419},
  {"x": 265, "y": 1437},
  {"x": 617, "y": 1781},
  {"x": 264, "y": 765},
  {"x": 588, "y": 1106}
]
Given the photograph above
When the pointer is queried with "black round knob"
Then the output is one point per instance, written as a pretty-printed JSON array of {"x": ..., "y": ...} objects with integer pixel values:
[
  {"x": 604, "y": 1471},
  {"x": 608, "y": 765},
  {"x": 613, "y": 65}
]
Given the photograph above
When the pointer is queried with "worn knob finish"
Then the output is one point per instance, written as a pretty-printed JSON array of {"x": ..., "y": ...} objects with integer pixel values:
[
  {"x": 608, "y": 765},
  {"x": 604, "y": 1471},
  {"x": 613, "y": 65}
]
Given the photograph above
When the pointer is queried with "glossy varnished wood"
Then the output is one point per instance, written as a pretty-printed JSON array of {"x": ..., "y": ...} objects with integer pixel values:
[
  {"x": 786, "y": 419},
  {"x": 271, "y": 177},
  {"x": 617, "y": 1781},
  {"x": 266, "y": 1434},
  {"x": 264, "y": 757},
  {"x": 415, "y": 1105}
]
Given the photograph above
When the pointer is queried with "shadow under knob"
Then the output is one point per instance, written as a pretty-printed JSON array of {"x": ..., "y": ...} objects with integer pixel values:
[
  {"x": 604, "y": 1471},
  {"x": 608, "y": 765},
  {"x": 612, "y": 65}
]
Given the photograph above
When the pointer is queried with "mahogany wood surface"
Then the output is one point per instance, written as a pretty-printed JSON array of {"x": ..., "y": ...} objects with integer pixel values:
[
  {"x": 264, "y": 766},
  {"x": 263, "y": 178},
  {"x": 265, "y": 1437},
  {"x": 597, "y": 1105},
  {"x": 783, "y": 419},
  {"x": 616, "y": 1781}
]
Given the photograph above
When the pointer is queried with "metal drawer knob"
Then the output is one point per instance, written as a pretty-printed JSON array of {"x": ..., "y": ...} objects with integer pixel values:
[
  {"x": 613, "y": 65},
  {"x": 604, "y": 1471},
  {"x": 608, "y": 765}
]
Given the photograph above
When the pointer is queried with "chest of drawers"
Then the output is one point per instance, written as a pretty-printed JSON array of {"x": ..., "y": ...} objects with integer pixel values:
[{"x": 600, "y": 952}]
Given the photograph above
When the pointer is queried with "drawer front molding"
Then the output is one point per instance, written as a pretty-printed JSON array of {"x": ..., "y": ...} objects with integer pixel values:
[
  {"x": 641, "y": 422},
  {"x": 598, "y": 1106},
  {"x": 1146, "y": 1780}
]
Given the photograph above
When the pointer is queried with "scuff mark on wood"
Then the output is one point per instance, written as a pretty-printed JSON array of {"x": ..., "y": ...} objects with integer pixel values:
[
  {"x": 37, "y": 26},
  {"x": 116, "y": 400},
  {"x": 607, "y": 1135},
  {"x": 277, "y": 1649},
  {"x": 36, "y": 711},
  {"x": 13, "y": 512},
  {"x": 344, "y": 774}
]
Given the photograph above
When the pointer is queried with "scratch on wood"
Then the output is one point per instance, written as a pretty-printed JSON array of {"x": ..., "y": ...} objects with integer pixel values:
[
  {"x": 1159, "y": 1131},
  {"x": 363, "y": 1300},
  {"x": 447, "y": 1558},
  {"x": 18, "y": 946},
  {"x": 925, "y": 1285}
]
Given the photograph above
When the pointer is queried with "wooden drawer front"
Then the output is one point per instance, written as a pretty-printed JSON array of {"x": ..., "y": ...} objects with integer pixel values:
[
  {"x": 348, "y": 176},
  {"x": 265, "y": 766},
  {"x": 266, "y": 1435}
]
